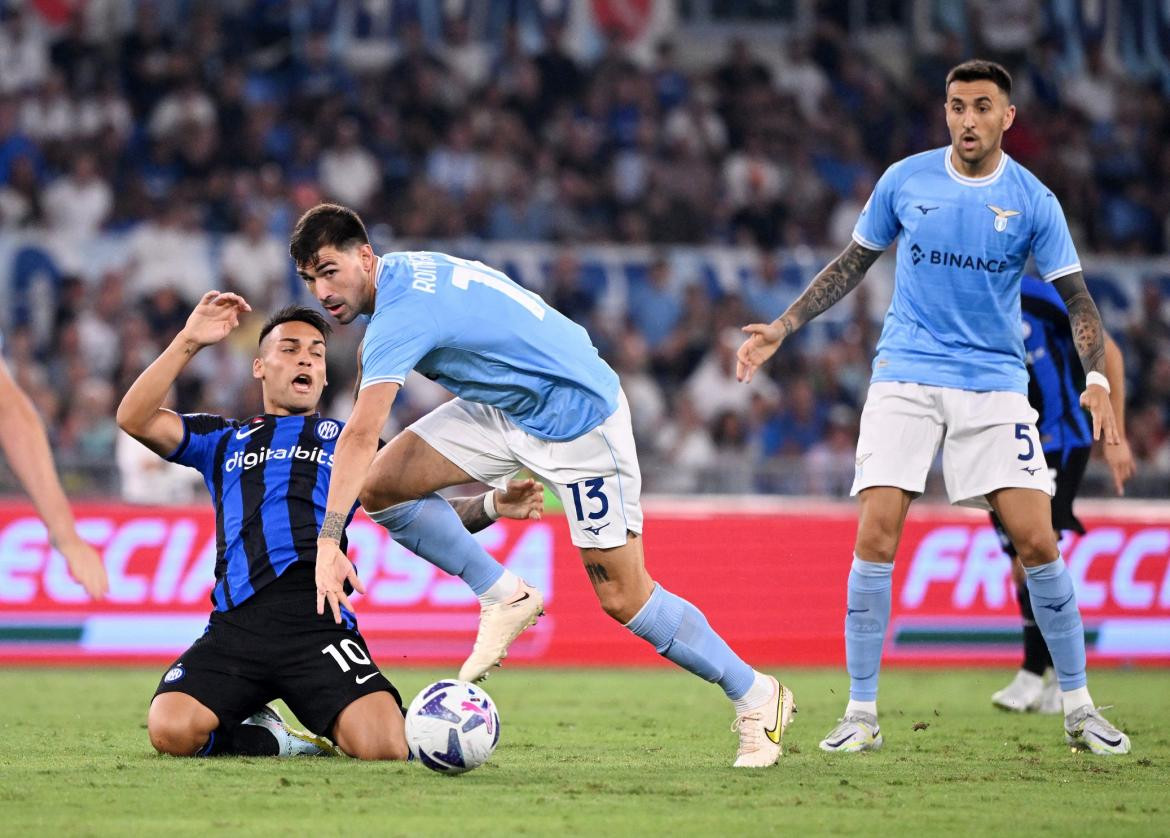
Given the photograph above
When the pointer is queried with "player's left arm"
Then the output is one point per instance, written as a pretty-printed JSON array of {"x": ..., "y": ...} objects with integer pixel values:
[
  {"x": 26, "y": 446},
  {"x": 1118, "y": 457},
  {"x": 1089, "y": 339},
  {"x": 355, "y": 450},
  {"x": 522, "y": 500}
]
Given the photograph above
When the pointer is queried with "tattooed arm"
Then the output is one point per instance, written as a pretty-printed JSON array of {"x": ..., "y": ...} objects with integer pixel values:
[
  {"x": 838, "y": 278},
  {"x": 523, "y": 499},
  {"x": 1089, "y": 339}
]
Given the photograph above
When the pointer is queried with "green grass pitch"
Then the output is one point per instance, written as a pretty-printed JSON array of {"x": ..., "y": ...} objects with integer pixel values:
[{"x": 621, "y": 752}]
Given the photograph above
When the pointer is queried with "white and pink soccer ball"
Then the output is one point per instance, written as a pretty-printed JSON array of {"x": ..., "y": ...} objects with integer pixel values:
[{"x": 452, "y": 727}]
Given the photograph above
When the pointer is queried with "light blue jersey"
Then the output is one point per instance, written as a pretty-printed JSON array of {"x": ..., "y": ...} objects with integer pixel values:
[
  {"x": 488, "y": 340},
  {"x": 963, "y": 244}
]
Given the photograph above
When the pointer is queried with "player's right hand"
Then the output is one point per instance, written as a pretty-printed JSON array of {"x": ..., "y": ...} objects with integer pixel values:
[
  {"x": 333, "y": 569},
  {"x": 214, "y": 318},
  {"x": 763, "y": 341}
]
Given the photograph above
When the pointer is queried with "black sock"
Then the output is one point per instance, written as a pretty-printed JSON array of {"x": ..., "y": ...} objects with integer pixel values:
[
  {"x": 1036, "y": 657},
  {"x": 242, "y": 740}
]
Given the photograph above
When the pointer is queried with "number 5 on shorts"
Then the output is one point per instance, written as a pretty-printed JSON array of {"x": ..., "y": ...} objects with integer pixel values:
[{"x": 1022, "y": 433}]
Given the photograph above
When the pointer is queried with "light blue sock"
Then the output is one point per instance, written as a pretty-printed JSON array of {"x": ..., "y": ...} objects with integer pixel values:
[
  {"x": 680, "y": 633},
  {"x": 867, "y": 616},
  {"x": 432, "y": 529},
  {"x": 1054, "y": 604}
]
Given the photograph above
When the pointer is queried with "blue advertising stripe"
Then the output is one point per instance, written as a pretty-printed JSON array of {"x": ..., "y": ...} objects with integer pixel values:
[{"x": 15, "y": 633}]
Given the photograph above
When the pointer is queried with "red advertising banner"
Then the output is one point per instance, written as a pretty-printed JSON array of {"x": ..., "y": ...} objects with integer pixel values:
[{"x": 769, "y": 575}]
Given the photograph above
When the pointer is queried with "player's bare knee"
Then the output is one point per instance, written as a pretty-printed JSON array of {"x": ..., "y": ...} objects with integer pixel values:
[
  {"x": 376, "y": 748},
  {"x": 619, "y": 604},
  {"x": 1036, "y": 548},
  {"x": 173, "y": 736},
  {"x": 876, "y": 546}
]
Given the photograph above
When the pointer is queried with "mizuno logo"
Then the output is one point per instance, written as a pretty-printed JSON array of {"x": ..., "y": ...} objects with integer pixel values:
[
  {"x": 596, "y": 530},
  {"x": 244, "y": 434},
  {"x": 361, "y": 679},
  {"x": 1056, "y": 608},
  {"x": 1032, "y": 470},
  {"x": 924, "y": 210}
]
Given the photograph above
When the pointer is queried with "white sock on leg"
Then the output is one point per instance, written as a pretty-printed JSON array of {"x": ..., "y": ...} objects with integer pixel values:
[
  {"x": 501, "y": 590},
  {"x": 861, "y": 707},
  {"x": 759, "y": 692},
  {"x": 1075, "y": 699}
]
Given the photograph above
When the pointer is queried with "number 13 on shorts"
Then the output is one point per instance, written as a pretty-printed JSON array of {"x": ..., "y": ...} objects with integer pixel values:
[{"x": 595, "y": 512}]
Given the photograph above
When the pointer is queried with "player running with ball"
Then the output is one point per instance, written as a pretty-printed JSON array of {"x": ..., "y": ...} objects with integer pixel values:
[
  {"x": 950, "y": 370},
  {"x": 531, "y": 392}
]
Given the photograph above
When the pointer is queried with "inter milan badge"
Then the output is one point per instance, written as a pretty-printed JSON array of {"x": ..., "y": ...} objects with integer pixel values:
[
  {"x": 175, "y": 673},
  {"x": 327, "y": 430}
]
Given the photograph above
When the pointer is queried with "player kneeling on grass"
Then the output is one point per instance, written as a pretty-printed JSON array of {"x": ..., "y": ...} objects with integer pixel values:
[{"x": 269, "y": 477}]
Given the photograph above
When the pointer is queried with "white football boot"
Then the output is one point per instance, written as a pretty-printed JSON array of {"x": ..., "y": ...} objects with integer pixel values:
[
  {"x": 857, "y": 731},
  {"x": 1049, "y": 703},
  {"x": 290, "y": 742},
  {"x": 1086, "y": 729},
  {"x": 500, "y": 624},
  {"x": 1022, "y": 694},
  {"x": 761, "y": 729}
]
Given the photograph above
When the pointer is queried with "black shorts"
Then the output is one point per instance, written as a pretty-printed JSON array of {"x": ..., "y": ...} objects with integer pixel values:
[
  {"x": 275, "y": 645},
  {"x": 1069, "y": 469}
]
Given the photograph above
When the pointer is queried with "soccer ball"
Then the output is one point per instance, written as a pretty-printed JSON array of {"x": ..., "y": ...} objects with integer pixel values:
[{"x": 452, "y": 727}]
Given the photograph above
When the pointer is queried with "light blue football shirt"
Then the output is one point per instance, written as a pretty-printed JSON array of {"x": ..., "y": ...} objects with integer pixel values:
[
  {"x": 963, "y": 244},
  {"x": 488, "y": 340}
]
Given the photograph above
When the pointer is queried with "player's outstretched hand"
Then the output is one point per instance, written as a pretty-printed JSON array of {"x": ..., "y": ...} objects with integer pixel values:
[
  {"x": 1096, "y": 401},
  {"x": 333, "y": 569},
  {"x": 1120, "y": 461},
  {"x": 523, "y": 500},
  {"x": 86, "y": 566},
  {"x": 763, "y": 341},
  {"x": 214, "y": 317}
]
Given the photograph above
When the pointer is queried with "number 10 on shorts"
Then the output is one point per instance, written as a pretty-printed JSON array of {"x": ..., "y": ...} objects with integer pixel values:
[{"x": 352, "y": 651}]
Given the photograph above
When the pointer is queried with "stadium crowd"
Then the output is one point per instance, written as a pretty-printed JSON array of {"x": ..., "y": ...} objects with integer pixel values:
[{"x": 160, "y": 121}]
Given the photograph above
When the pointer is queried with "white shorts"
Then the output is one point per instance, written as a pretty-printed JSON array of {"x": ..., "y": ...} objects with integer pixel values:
[
  {"x": 989, "y": 441},
  {"x": 596, "y": 475}
]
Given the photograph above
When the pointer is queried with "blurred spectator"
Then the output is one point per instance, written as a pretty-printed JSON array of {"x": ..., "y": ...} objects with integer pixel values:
[
  {"x": 349, "y": 173},
  {"x": 24, "y": 48},
  {"x": 256, "y": 264},
  {"x": 687, "y": 449},
  {"x": 21, "y": 204},
  {"x": 78, "y": 204},
  {"x": 713, "y": 389}
]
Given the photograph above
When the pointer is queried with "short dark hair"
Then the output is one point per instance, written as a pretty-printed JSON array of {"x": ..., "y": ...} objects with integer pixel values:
[
  {"x": 978, "y": 70},
  {"x": 325, "y": 225},
  {"x": 298, "y": 314}
]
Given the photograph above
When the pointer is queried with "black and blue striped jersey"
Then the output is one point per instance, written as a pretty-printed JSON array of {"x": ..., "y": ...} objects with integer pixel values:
[
  {"x": 269, "y": 480},
  {"x": 1056, "y": 376}
]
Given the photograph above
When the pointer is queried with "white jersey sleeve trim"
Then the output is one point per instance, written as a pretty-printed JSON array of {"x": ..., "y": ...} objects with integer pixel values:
[
  {"x": 396, "y": 379},
  {"x": 1052, "y": 276},
  {"x": 868, "y": 244}
]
